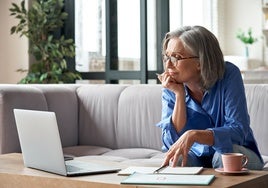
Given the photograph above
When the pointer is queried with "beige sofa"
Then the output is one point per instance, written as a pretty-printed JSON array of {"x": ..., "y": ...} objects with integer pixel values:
[{"x": 109, "y": 122}]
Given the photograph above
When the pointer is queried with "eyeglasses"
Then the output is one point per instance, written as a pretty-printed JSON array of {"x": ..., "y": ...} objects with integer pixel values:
[{"x": 174, "y": 60}]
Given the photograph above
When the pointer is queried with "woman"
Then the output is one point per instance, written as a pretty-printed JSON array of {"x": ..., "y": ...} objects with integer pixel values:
[{"x": 204, "y": 110}]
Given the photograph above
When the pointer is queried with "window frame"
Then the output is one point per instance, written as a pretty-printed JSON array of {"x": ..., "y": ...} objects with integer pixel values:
[{"x": 112, "y": 74}]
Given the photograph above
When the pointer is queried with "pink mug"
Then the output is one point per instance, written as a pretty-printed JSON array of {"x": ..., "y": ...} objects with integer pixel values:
[{"x": 234, "y": 161}]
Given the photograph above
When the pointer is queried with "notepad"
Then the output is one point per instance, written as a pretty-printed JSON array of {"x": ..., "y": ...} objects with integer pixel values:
[
  {"x": 168, "y": 179},
  {"x": 166, "y": 170}
]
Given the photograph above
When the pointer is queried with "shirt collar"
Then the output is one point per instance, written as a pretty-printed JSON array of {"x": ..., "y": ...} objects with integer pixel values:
[{"x": 187, "y": 96}]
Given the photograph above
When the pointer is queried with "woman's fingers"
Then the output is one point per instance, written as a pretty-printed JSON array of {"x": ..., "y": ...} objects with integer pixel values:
[
  {"x": 159, "y": 76},
  {"x": 166, "y": 162},
  {"x": 184, "y": 160},
  {"x": 168, "y": 157},
  {"x": 178, "y": 153},
  {"x": 178, "y": 150},
  {"x": 164, "y": 78}
]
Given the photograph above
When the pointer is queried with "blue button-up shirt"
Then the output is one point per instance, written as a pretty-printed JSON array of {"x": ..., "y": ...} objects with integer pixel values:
[{"x": 223, "y": 110}]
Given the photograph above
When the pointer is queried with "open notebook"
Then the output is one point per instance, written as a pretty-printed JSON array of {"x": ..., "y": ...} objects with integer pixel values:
[
  {"x": 165, "y": 170},
  {"x": 41, "y": 145}
]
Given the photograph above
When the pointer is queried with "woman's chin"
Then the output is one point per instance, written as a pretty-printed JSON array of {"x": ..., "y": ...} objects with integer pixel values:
[{"x": 176, "y": 81}]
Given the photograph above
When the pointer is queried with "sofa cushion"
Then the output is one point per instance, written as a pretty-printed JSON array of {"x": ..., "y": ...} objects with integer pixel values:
[
  {"x": 102, "y": 158},
  {"x": 133, "y": 153},
  {"x": 98, "y": 114},
  {"x": 129, "y": 156},
  {"x": 144, "y": 162},
  {"x": 77, "y": 151},
  {"x": 62, "y": 100},
  {"x": 257, "y": 102},
  {"x": 139, "y": 109}
]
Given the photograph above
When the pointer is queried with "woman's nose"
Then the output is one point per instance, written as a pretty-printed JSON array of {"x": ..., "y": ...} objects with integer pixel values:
[{"x": 168, "y": 64}]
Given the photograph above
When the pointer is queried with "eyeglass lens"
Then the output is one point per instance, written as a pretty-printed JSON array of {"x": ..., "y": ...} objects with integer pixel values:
[{"x": 173, "y": 60}]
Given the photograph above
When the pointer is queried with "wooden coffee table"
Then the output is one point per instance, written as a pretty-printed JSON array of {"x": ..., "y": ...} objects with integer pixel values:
[{"x": 14, "y": 174}]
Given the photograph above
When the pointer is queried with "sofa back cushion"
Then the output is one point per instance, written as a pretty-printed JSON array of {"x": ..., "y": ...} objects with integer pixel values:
[
  {"x": 62, "y": 100},
  {"x": 120, "y": 116},
  {"x": 139, "y": 109},
  {"x": 257, "y": 101},
  {"x": 98, "y": 112}
]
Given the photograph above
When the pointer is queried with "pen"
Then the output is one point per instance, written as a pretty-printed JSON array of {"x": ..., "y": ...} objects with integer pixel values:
[{"x": 159, "y": 169}]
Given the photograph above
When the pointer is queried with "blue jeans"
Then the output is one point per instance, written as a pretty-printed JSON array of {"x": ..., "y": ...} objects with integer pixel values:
[{"x": 215, "y": 161}]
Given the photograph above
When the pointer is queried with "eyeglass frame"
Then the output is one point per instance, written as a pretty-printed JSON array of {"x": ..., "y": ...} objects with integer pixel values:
[{"x": 174, "y": 60}]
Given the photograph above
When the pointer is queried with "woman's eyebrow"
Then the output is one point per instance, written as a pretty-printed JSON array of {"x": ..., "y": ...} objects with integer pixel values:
[
  {"x": 173, "y": 53},
  {"x": 176, "y": 54}
]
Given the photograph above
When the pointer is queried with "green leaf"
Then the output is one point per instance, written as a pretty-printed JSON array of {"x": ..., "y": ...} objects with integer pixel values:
[
  {"x": 13, "y": 29},
  {"x": 16, "y": 7},
  {"x": 13, "y": 11},
  {"x": 22, "y": 4},
  {"x": 246, "y": 38},
  {"x": 37, "y": 23},
  {"x": 50, "y": 37},
  {"x": 43, "y": 76}
]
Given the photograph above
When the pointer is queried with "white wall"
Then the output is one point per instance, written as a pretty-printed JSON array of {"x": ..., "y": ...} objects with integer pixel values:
[
  {"x": 243, "y": 14},
  {"x": 13, "y": 49}
]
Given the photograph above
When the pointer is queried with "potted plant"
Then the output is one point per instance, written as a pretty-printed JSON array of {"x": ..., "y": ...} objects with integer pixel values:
[
  {"x": 246, "y": 38},
  {"x": 39, "y": 24}
]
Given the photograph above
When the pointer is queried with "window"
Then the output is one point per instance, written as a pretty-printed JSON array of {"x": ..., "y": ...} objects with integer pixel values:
[
  {"x": 128, "y": 34},
  {"x": 120, "y": 41},
  {"x": 90, "y": 35},
  {"x": 191, "y": 12}
]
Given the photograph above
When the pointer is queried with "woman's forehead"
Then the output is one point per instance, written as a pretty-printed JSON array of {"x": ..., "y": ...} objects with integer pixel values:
[{"x": 176, "y": 45}]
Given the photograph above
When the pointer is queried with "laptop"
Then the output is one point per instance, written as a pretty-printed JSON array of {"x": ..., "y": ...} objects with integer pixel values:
[{"x": 41, "y": 146}]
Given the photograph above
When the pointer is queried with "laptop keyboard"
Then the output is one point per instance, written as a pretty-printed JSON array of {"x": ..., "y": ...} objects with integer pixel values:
[{"x": 71, "y": 168}]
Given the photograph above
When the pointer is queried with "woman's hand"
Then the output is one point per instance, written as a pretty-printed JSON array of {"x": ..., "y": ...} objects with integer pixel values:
[
  {"x": 180, "y": 148},
  {"x": 183, "y": 145},
  {"x": 170, "y": 83}
]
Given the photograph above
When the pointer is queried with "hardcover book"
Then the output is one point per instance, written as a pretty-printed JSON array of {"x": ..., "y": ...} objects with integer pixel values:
[{"x": 168, "y": 179}]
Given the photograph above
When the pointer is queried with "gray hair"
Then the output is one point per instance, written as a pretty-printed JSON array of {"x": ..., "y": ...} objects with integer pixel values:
[{"x": 203, "y": 44}]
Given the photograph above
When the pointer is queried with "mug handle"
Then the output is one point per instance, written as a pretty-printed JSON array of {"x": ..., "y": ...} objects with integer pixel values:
[{"x": 245, "y": 161}]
